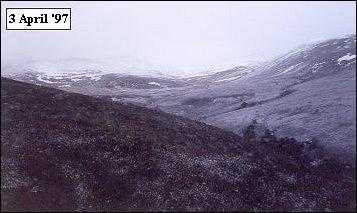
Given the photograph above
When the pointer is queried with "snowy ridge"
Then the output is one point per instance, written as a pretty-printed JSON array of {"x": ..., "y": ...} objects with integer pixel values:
[{"x": 64, "y": 67}]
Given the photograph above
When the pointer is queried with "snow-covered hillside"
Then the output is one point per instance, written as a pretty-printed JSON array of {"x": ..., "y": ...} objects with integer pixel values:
[{"x": 308, "y": 92}]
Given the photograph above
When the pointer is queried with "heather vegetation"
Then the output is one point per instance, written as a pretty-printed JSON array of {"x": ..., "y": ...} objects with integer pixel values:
[{"x": 63, "y": 151}]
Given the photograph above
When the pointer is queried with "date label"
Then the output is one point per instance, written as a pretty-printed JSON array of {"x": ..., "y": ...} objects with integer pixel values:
[{"x": 38, "y": 18}]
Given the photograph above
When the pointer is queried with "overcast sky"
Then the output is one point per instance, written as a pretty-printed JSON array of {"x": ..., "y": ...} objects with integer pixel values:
[{"x": 182, "y": 36}]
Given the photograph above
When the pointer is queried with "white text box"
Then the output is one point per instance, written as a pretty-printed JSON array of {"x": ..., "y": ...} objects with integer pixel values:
[{"x": 38, "y": 18}]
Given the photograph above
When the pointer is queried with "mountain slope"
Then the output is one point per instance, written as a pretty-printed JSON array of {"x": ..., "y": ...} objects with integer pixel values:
[
  {"x": 309, "y": 92},
  {"x": 62, "y": 151}
]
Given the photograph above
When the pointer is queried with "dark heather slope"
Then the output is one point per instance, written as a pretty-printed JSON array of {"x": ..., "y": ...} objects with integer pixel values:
[{"x": 62, "y": 151}]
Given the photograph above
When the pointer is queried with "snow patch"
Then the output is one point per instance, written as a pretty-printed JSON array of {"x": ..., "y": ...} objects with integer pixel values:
[
  {"x": 347, "y": 57},
  {"x": 325, "y": 45},
  {"x": 64, "y": 86},
  {"x": 40, "y": 78},
  {"x": 228, "y": 79},
  {"x": 317, "y": 66},
  {"x": 115, "y": 99},
  {"x": 290, "y": 68},
  {"x": 154, "y": 83}
]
